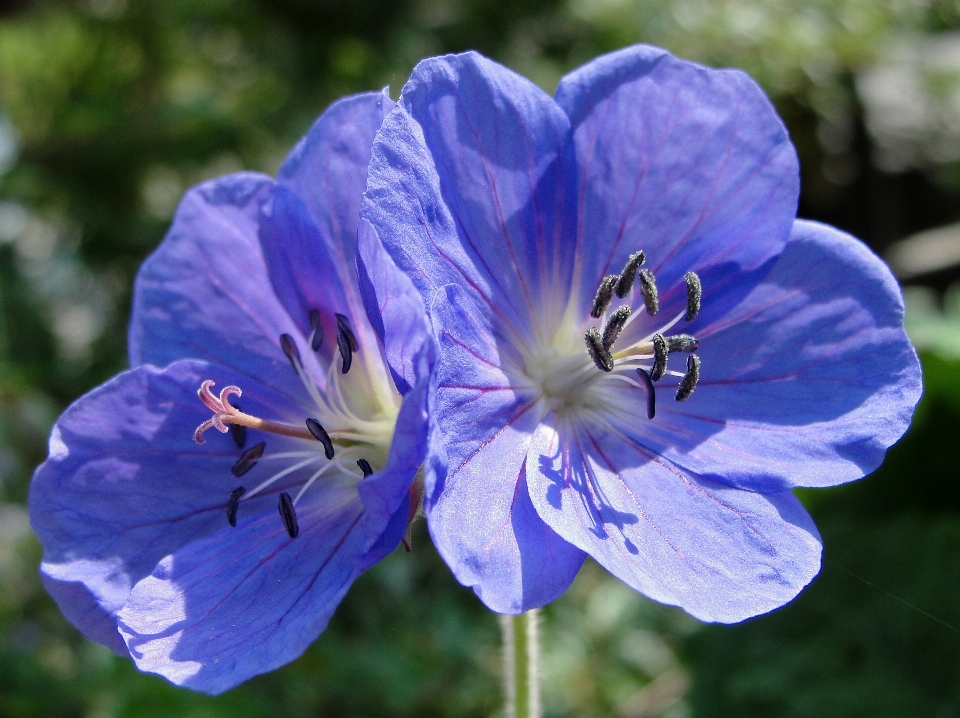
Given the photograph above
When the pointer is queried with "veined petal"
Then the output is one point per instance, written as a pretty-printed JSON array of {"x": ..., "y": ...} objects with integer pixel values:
[
  {"x": 246, "y": 600},
  {"x": 327, "y": 170},
  {"x": 477, "y": 507},
  {"x": 308, "y": 230},
  {"x": 807, "y": 382},
  {"x": 688, "y": 163},
  {"x": 467, "y": 186},
  {"x": 204, "y": 293},
  {"x": 392, "y": 302},
  {"x": 125, "y": 485},
  {"x": 719, "y": 553}
]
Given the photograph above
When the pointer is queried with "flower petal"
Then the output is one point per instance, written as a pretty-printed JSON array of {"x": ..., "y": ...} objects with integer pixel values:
[
  {"x": 204, "y": 293},
  {"x": 125, "y": 485},
  {"x": 327, "y": 170},
  {"x": 392, "y": 302},
  {"x": 807, "y": 382},
  {"x": 719, "y": 553},
  {"x": 248, "y": 599},
  {"x": 466, "y": 186},
  {"x": 477, "y": 507},
  {"x": 688, "y": 163}
]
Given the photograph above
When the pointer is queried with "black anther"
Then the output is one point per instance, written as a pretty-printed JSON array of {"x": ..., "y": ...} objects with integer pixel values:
[
  {"x": 601, "y": 357},
  {"x": 289, "y": 515},
  {"x": 317, "y": 328},
  {"x": 290, "y": 349},
  {"x": 682, "y": 343},
  {"x": 629, "y": 274},
  {"x": 693, "y": 295},
  {"x": 651, "y": 393},
  {"x": 238, "y": 432},
  {"x": 346, "y": 350},
  {"x": 232, "y": 504},
  {"x": 603, "y": 296},
  {"x": 648, "y": 285},
  {"x": 690, "y": 379},
  {"x": 614, "y": 326},
  {"x": 343, "y": 324},
  {"x": 365, "y": 467},
  {"x": 321, "y": 435},
  {"x": 248, "y": 459},
  {"x": 660, "y": 354}
]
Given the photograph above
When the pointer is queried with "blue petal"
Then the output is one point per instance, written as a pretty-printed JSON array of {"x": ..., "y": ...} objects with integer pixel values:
[
  {"x": 392, "y": 303},
  {"x": 204, "y": 293},
  {"x": 806, "y": 383},
  {"x": 125, "y": 485},
  {"x": 327, "y": 170},
  {"x": 719, "y": 553},
  {"x": 248, "y": 599},
  {"x": 466, "y": 186},
  {"x": 477, "y": 507},
  {"x": 690, "y": 164}
]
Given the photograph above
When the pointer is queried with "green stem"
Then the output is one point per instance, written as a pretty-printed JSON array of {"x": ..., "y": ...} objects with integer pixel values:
[{"x": 521, "y": 659}]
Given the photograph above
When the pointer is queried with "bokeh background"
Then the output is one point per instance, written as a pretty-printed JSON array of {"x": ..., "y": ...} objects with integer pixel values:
[{"x": 110, "y": 109}]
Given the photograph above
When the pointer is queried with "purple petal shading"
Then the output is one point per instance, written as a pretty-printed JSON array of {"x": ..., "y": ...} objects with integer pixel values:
[
  {"x": 467, "y": 185},
  {"x": 688, "y": 163},
  {"x": 303, "y": 274},
  {"x": 391, "y": 301},
  {"x": 327, "y": 170},
  {"x": 204, "y": 293},
  {"x": 807, "y": 382},
  {"x": 387, "y": 491},
  {"x": 478, "y": 511},
  {"x": 246, "y": 600},
  {"x": 125, "y": 485},
  {"x": 719, "y": 553}
]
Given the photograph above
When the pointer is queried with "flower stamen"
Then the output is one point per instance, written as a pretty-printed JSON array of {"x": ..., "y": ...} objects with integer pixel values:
[
  {"x": 648, "y": 286},
  {"x": 690, "y": 379},
  {"x": 289, "y": 515},
  {"x": 232, "y": 504},
  {"x": 248, "y": 459}
]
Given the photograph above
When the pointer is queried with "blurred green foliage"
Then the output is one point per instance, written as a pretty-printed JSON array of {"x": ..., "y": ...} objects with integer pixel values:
[{"x": 110, "y": 109}]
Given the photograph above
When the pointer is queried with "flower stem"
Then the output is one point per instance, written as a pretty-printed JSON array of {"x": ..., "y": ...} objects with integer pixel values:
[{"x": 521, "y": 662}]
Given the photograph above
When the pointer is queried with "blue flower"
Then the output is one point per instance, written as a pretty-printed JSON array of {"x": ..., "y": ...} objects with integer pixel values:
[
  {"x": 641, "y": 350},
  {"x": 211, "y": 557}
]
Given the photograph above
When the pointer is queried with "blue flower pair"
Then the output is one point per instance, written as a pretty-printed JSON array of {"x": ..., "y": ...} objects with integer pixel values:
[{"x": 592, "y": 321}]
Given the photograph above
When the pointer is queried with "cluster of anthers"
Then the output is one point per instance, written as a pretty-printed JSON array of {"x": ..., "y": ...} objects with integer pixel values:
[
  {"x": 657, "y": 346},
  {"x": 332, "y": 406}
]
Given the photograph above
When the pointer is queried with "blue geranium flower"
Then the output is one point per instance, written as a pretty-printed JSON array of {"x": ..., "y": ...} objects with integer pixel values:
[
  {"x": 213, "y": 560},
  {"x": 641, "y": 350}
]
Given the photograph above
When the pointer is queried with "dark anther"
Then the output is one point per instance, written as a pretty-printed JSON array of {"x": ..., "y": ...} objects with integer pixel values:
[
  {"x": 660, "y": 353},
  {"x": 289, "y": 515},
  {"x": 232, "y": 504},
  {"x": 690, "y": 379},
  {"x": 648, "y": 285},
  {"x": 682, "y": 343},
  {"x": 237, "y": 432},
  {"x": 248, "y": 459},
  {"x": 603, "y": 296},
  {"x": 614, "y": 326},
  {"x": 601, "y": 357},
  {"x": 693, "y": 295},
  {"x": 343, "y": 324},
  {"x": 629, "y": 274},
  {"x": 651, "y": 393},
  {"x": 290, "y": 349},
  {"x": 346, "y": 350},
  {"x": 317, "y": 330},
  {"x": 365, "y": 467},
  {"x": 321, "y": 435}
]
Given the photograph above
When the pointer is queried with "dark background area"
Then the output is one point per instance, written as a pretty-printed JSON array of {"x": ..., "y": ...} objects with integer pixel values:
[{"x": 110, "y": 109}]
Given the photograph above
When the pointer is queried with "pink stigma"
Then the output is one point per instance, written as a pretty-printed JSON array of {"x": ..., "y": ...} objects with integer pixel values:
[{"x": 220, "y": 407}]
